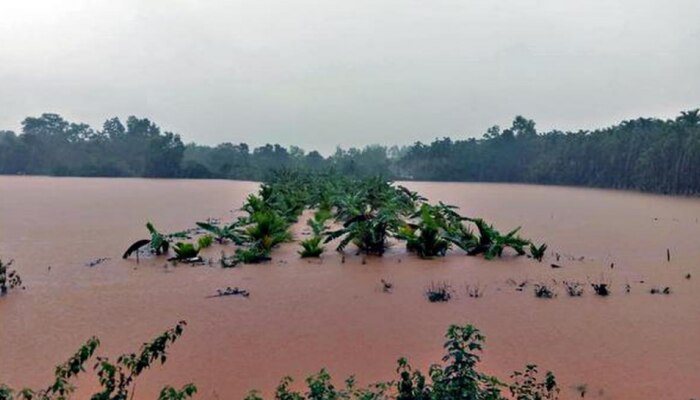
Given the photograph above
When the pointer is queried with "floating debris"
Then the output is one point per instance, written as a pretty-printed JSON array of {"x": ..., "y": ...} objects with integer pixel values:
[
  {"x": 193, "y": 260},
  {"x": 230, "y": 292},
  {"x": 658, "y": 290},
  {"x": 95, "y": 262}
]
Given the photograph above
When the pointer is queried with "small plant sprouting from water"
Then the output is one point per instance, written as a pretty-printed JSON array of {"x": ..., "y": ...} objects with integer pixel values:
[
  {"x": 543, "y": 291},
  {"x": 440, "y": 292},
  {"x": 117, "y": 380},
  {"x": 538, "y": 252},
  {"x": 474, "y": 291},
  {"x": 601, "y": 288},
  {"x": 660, "y": 290},
  {"x": 311, "y": 247},
  {"x": 573, "y": 288},
  {"x": 9, "y": 278},
  {"x": 185, "y": 251},
  {"x": 205, "y": 241},
  {"x": 387, "y": 287}
]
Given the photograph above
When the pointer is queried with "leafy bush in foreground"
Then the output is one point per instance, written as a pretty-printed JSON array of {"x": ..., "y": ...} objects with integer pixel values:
[
  {"x": 457, "y": 378},
  {"x": 117, "y": 380}
]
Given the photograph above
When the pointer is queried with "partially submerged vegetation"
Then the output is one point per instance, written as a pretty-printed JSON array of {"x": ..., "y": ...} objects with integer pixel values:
[
  {"x": 368, "y": 213},
  {"x": 116, "y": 379},
  {"x": 440, "y": 292},
  {"x": 457, "y": 377},
  {"x": 9, "y": 278}
]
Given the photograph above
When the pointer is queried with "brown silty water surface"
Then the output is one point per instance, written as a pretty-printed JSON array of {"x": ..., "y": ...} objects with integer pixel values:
[{"x": 304, "y": 315}]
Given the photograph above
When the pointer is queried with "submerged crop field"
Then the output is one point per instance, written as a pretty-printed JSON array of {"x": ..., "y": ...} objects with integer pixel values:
[{"x": 357, "y": 274}]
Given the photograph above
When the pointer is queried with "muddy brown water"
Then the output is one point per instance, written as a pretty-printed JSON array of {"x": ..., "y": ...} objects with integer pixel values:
[{"x": 305, "y": 315}]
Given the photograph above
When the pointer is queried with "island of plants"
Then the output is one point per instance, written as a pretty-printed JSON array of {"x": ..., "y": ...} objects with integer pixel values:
[{"x": 368, "y": 213}]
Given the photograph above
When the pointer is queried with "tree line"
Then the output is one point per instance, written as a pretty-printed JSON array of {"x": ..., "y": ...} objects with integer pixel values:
[{"x": 646, "y": 154}]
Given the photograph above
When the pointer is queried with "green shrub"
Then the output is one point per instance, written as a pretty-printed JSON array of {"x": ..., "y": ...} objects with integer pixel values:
[
  {"x": 185, "y": 251},
  {"x": 311, "y": 247},
  {"x": 205, "y": 241},
  {"x": 538, "y": 252},
  {"x": 117, "y": 380},
  {"x": 457, "y": 378}
]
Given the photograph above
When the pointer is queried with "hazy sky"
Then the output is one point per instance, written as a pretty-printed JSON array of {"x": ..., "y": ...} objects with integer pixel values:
[{"x": 348, "y": 72}]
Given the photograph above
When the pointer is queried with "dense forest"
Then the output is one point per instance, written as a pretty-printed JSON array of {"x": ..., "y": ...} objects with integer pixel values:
[{"x": 643, "y": 154}]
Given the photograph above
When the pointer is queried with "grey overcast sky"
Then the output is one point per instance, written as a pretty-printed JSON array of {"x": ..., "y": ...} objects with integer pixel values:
[{"x": 348, "y": 72}]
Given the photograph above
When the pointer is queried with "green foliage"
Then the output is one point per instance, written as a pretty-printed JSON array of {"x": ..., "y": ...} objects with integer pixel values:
[
  {"x": 116, "y": 380},
  {"x": 311, "y": 247},
  {"x": 205, "y": 241},
  {"x": 9, "y": 278},
  {"x": 527, "y": 386},
  {"x": 538, "y": 252},
  {"x": 251, "y": 255},
  {"x": 266, "y": 229},
  {"x": 159, "y": 243},
  {"x": 430, "y": 235},
  {"x": 185, "y": 250},
  {"x": 492, "y": 242},
  {"x": 456, "y": 378},
  {"x": 223, "y": 233},
  {"x": 170, "y": 393},
  {"x": 643, "y": 154}
]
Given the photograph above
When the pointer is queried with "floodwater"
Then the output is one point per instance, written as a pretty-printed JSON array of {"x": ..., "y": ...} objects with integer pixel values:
[{"x": 305, "y": 315}]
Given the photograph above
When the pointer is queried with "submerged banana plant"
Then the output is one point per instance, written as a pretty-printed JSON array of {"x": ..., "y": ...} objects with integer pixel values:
[
  {"x": 492, "y": 242},
  {"x": 427, "y": 237},
  {"x": 311, "y": 247},
  {"x": 266, "y": 229},
  {"x": 185, "y": 251},
  {"x": 224, "y": 233},
  {"x": 538, "y": 252},
  {"x": 158, "y": 242}
]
